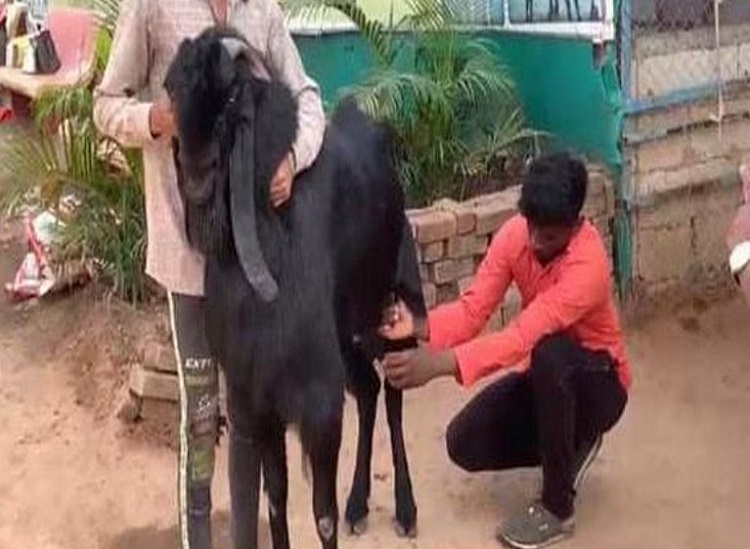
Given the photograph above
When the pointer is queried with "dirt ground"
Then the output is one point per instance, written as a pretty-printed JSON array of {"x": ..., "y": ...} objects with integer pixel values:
[{"x": 673, "y": 474}]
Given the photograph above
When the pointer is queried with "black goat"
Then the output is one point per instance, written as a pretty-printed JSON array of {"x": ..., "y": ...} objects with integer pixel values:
[{"x": 294, "y": 295}]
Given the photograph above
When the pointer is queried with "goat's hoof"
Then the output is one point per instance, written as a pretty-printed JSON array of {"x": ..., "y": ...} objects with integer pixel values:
[
  {"x": 358, "y": 527},
  {"x": 408, "y": 531}
]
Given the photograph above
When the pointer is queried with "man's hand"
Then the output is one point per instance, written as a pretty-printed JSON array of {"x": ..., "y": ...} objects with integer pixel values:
[
  {"x": 417, "y": 367},
  {"x": 281, "y": 184},
  {"x": 161, "y": 120},
  {"x": 398, "y": 322}
]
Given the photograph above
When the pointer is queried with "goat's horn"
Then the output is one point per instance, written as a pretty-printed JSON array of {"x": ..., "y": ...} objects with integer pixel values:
[{"x": 234, "y": 46}]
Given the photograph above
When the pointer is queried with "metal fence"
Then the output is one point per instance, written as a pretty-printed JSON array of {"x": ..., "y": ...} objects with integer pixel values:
[{"x": 674, "y": 51}]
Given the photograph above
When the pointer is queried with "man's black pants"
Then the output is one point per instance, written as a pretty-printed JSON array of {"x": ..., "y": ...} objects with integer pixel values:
[{"x": 541, "y": 416}]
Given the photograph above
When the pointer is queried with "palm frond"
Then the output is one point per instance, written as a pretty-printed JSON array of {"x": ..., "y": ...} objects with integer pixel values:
[
  {"x": 106, "y": 13},
  {"x": 375, "y": 33}
]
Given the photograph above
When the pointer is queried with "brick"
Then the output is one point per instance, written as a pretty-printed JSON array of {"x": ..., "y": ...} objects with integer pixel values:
[
  {"x": 432, "y": 252},
  {"x": 447, "y": 292},
  {"x": 595, "y": 207},
  {"x": 663, "y": 154},
  {"x": 712, "y": 170},
  {"x": 157, "y": 356},
  {"x": 434, "y": 225},
  {"x": 152, "y": 384},
  {"x": 464, "y": 267},
  {"x": 710, "y": 226},
  {"x": 429, "y": 291},
  {"x": 664, "y": 254},
  {"x": 424, "y": 272},
  {"x": 491, "y": 215},
  {"x": 466, "y": 219},
  {"x": 465, "y": 246},
  {"x": 658, "y": 120},
  {"x": 167, "y": 411},
  {"x": 705, "y": 142},
  {"x": 464, "y": 283},
  {"x": 444, "y": 271},
  {"x": 451, "y": 270}
]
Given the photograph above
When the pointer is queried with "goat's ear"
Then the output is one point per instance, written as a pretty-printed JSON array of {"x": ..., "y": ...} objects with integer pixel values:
[
  {"x": 174, "y": 81},
  {"x": 243, "y": 209}
]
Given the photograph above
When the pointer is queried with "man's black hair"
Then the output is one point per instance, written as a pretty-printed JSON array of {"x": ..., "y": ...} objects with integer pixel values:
[{"x": 553, "y": 190}]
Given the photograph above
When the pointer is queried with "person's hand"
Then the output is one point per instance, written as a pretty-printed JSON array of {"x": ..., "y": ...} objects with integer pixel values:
[
  {"x": 161, "y": 120},
  {"x": 417, "y": 367},
  {"x": 397, "y": 322},
  {"x": 281, "y": 184}
]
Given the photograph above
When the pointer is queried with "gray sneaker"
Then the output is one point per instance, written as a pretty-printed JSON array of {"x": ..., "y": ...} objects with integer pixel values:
[
  {"x": 586, "y": 456},
  {"x": 535, "y": 527}
]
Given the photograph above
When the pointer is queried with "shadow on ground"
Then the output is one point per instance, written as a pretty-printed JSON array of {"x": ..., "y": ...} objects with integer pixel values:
[{"x": 168, "y": 538}]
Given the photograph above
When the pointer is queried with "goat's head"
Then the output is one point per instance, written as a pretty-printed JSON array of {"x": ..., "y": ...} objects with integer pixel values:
[{"x": 213, "y": 93}]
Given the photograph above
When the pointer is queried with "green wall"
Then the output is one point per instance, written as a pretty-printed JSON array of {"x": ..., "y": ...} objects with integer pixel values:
[{"x": 561, "y": 89}]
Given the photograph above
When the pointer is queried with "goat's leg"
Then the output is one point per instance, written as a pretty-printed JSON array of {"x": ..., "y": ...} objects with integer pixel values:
[
  {"x": 276, "y": 482},
  {"x": 244, "y": 487},
  {"x": 324, "y": 444},
  {"x": 364, "y": 384},
  {"x": 406, "y": 508},
  {"x": 244, "y": 469}
]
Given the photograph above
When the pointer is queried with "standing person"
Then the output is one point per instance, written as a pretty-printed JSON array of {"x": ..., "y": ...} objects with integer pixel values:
[
  {"x": 738, "y": 237},
  {"x": 573, "y": 389},
  {"x": 131, "y": 106}
]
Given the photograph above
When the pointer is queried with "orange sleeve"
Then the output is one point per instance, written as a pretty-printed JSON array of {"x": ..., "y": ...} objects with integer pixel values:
[
  {"x": 583, "y": 284},
  {"x": 457, "y": 322}
]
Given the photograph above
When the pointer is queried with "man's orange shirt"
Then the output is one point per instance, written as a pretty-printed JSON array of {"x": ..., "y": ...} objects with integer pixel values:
[{"x": 573, "y": 294}]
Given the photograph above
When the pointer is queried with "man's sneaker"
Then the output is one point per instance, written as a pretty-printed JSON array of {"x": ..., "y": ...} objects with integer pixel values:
[
  {"x": 584, "y": 458},
  {"x": 534, "y": 528}
]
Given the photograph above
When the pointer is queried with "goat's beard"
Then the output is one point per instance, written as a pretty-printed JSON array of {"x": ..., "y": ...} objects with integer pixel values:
[{"x": 208, "y": 227}]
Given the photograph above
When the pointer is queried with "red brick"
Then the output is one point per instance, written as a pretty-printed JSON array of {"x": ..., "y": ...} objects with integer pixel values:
[
  {"x": 433, "y": 251},
  {"x": 451, "y": 270},
  {"x": 152, "y": 384},
  {"x": 492, "y": 214},
  {"x": 444, "y": 271},
  {"x": 466, "y": 246},
  {"x": 434, "y": 225},
  {"x": 466, "y": 219},
  {"x": 157, "y": 356},
  {"x": 464, "y": 283},
  {"x": 447, "y": 292}
]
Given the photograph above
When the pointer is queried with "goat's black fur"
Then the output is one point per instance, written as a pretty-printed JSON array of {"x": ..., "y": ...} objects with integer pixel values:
[{"x": 336, "y": 252}]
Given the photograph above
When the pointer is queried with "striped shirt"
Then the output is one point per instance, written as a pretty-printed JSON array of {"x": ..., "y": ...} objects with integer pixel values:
[{"x": 146, "y": 39}]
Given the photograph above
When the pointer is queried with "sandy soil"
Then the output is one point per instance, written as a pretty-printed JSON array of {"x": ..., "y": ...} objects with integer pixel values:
[{"x": 674, "y": 473}]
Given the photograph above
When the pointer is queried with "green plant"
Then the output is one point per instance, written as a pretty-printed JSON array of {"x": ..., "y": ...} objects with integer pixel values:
[
  {"x": 441, "y": 88},
  {"x": 106, "y": 182}
]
